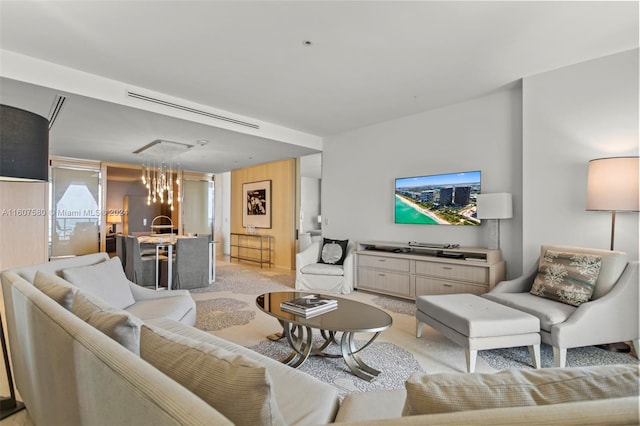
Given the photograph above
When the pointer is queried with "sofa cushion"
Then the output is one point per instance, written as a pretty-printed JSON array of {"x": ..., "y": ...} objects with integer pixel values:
[
  {"x": 231, "y": 383},
  {"x": 322, "y": 269},
  {"x": 56, "y": 288},
  {"x": 173, "y": 307},
  {"x": 566, "y": 276},
  {"x": 121, "y": 326},
  {"x": 333, "y": 251},
  {"x": 105, "y": 280},
  {"x": 317, "y": 405},
  {"x": 548, "y": 311},
  {"x": 613, "y": 264},
  {"x": 442, "y": 393}
]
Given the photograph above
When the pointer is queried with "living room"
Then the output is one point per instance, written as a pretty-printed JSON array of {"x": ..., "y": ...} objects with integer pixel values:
[{"x": 532, "y": 131}]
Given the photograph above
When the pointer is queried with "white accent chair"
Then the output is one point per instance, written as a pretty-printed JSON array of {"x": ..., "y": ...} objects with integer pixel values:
[
  {"x": 610, "y": 316},
  {"x": 322, "y": 277}
]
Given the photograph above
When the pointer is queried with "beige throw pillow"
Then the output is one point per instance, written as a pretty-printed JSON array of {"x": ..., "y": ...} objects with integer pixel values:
[
  {"x": 231, "y": 383},
  {"x": 567, "y": 277},
  {"x": 55, "y": 287},
  {"x": 120, "y": 325},
  {"x": 105, "y": 280},
  {"x": 445, "y": 393}
]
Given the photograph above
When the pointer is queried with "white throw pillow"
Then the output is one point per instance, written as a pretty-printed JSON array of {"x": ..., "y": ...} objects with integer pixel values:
[
  {"x": 233, "y": 384},
  {"x": 55, "y": 287},
  {"x": 105, "y": 280},
  {"x": 446, "y": 392},
  {"x": 120, "y": 325}
]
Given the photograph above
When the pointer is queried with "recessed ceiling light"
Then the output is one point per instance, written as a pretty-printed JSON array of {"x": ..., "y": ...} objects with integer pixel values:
[
  {"x": 307, "y": 43},
  {"x": 202, "y": 142}
]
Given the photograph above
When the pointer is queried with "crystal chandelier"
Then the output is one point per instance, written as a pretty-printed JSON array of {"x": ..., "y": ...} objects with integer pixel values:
[
  {"x": 159, "y": 182},
  {"x": 159, "y": 176}
]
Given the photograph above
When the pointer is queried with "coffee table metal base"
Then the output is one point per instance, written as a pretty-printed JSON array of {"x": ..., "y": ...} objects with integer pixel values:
[{"x": 300, "y": 338}]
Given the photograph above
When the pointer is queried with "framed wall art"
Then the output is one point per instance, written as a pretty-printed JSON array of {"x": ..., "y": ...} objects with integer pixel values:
[{"x": 257, "y": 209}]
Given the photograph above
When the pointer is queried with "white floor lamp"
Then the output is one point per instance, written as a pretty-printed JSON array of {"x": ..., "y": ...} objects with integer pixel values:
[
  {"x": 612, "y": 185},
  {"x": 494, "y": 207}
]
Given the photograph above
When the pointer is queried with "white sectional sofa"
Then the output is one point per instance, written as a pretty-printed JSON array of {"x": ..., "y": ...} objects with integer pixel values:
[{"x": 70, "y": 373}]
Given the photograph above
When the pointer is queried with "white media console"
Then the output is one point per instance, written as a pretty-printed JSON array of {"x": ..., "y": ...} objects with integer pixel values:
[{"x": 409, "y": 270}]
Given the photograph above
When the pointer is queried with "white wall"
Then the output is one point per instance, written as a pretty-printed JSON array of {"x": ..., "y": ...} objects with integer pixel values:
[
  {"x": 309, "y": 203},
  {"x": 310, "y": 182},
  {"x": 573, "y": 115},
  {"x": 359, "y": 169}
]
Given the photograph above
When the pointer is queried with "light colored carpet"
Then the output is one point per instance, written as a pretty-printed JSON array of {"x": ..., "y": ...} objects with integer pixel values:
[{"x": 227, "y": 309}]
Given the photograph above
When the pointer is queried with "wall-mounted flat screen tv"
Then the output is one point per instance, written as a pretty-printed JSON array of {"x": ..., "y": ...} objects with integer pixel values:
[{"x": 443, "y": 199}]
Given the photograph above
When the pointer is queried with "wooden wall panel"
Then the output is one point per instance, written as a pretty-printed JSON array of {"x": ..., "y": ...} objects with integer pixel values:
[{"x": 283, "y": 177}]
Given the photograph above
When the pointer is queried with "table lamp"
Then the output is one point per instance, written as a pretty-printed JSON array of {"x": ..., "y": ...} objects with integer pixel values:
[
  {"x": 494, "y": 207},
  {"x": 113, "y": 220}
]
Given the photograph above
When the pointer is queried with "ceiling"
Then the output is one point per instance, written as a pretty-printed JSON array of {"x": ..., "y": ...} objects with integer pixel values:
[{"x": 316, "y": 68}]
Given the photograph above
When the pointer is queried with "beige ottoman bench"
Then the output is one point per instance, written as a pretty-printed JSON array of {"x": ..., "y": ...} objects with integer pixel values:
[{"x": 476, "y": 323}]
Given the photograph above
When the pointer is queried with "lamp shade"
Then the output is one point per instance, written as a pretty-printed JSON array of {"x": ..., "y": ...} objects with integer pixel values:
[
  {"x": 114, "y": 218},
  {"x": 24, "y": 145},
  {"x": 612, "y": 184},
  {"x": 494, "y": 206}
]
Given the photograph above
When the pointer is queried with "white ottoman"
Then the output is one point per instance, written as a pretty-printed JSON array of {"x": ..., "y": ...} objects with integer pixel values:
[{"x": 476, "y": 323}]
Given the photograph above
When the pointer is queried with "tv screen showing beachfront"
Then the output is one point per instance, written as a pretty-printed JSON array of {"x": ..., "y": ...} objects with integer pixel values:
[{"x": 444, "y": 199}]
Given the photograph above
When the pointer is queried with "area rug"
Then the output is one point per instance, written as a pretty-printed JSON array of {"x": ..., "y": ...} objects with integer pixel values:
[
  {"x": 502, "y": 359},
  {"x": 227, "y": 309},
  {"x": 394, "y": 363},
  {"x": 229, "y": 304}
]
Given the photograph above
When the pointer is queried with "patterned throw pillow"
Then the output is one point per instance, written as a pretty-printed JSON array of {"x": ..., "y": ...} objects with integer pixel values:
[
  {"x": 333, "y": 251},
  {"x": 567, "y": 277}
]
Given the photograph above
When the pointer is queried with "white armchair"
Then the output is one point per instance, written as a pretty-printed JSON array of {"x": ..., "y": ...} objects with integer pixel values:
[
  {"x": 323, "y": 277},
  {"x": 610, "y": 316}
]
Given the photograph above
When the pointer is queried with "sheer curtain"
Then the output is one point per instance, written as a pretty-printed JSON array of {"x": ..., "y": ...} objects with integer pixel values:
[
  {"x": 76, "y": 209},
  {"x": 197, "y": 207}
]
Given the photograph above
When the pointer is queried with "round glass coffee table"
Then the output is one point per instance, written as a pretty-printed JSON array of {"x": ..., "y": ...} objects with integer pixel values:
[{"x": 349, "y": 318}]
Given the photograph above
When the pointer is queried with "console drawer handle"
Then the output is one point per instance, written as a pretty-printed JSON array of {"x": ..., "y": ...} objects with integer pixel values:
[
  {"x": 447, "y": 267},
  {"x": 448, "y": 285},
  {"x": 382, "y": 260},
  {"x": 382, "y": 275}
]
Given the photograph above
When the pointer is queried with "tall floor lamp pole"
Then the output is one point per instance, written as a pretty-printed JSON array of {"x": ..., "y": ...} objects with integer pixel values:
[{"x": 8, "y": 404}]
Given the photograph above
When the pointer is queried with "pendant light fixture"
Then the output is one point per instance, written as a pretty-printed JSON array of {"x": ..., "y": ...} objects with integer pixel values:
[{"x": 161, "y": 174}]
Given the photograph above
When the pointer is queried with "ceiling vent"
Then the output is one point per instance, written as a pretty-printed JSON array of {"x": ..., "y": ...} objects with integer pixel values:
[
  {"x": 162, "y": 148},
  {"x": 174, "y": 105},
  {"x": 56, "y": 107}
]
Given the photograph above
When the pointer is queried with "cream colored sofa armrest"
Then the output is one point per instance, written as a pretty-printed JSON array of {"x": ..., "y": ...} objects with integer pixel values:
[
  {"x": 142, "y": 293},
  {"x": 522, "y": 284}
]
